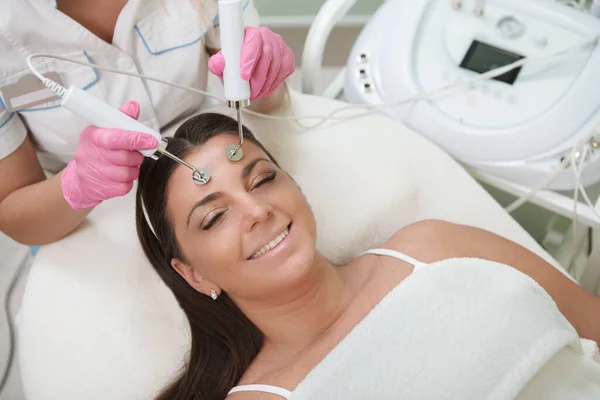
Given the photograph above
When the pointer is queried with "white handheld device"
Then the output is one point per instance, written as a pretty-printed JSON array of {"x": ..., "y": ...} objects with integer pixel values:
[
  {"x": 231, "y": 27},
  {"x": 102, "y": 115},
  {"x": 237, "y": 90}
]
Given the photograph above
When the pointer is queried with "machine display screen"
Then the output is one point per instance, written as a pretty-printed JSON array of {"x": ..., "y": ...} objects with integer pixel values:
[{"x": 482, "y": 58}]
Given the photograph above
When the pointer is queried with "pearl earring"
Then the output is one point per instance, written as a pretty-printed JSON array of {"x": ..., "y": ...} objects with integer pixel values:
[{"x": 213, "y": 294}]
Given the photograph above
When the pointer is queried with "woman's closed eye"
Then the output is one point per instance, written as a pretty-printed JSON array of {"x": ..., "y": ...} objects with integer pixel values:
[
  {"x": 212, "y": 220},
  {"x": 265, "y": 179}
]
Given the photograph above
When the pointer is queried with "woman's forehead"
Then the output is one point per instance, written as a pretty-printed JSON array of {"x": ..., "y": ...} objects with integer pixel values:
[
  {"x": 212, "y": 155},
  {"x": 214, "y": 152}
]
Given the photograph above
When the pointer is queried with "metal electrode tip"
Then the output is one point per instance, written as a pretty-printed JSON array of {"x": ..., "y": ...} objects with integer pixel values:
[
  {"x": 235, "y": 152},
  {"x": 237, "y": 104},
  {"x": 201, "y": 176}
]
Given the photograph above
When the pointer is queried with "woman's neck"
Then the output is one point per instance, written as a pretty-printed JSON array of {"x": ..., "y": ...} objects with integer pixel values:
[
  {"x": 297, "y": 318},
  {"x": 100, "y": 18}
]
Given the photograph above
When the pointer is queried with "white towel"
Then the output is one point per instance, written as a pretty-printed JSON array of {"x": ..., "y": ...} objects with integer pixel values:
[{"x": 458, "y": 329}]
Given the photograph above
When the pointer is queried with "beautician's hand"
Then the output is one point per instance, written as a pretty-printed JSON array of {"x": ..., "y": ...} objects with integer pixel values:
[
  {"x": 106, "y": 163},
  {"x": 265, "y": 61}
]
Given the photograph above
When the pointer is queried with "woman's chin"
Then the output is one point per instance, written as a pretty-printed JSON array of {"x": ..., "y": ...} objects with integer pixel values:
[
  {"x": 281, "y": 278},
  {"x": 290, "y": 260},
  {"x": 287, "y": 265}
]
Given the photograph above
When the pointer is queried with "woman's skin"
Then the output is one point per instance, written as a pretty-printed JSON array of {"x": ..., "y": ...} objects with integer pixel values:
[{"x": 302, "y": 303}]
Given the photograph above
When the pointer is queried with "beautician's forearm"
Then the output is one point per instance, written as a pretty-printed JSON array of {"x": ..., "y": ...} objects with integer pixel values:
[
  {"x": 38, "y": 214},
  {"x": 267, "y": 104}
]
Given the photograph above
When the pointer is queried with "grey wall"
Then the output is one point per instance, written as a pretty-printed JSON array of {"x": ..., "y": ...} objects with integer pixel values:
[{"x": 309, "y": 7}]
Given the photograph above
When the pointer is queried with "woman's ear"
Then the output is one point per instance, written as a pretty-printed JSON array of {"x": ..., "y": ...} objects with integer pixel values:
[{"x": 194, "y": 279}]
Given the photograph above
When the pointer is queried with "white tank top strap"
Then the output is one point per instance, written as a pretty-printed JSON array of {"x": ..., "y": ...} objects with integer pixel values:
[
  {"x": 396, "y": 254},
  {"x": 262, "y": 388}
]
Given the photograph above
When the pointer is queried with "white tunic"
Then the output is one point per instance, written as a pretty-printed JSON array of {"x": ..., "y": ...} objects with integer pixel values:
[{"x": 161, "y": 38}]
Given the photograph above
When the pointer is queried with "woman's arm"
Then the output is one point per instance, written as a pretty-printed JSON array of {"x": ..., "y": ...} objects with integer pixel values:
[
  {"x": 580, "y": 307},
  {"x": 33, "y": 210}
]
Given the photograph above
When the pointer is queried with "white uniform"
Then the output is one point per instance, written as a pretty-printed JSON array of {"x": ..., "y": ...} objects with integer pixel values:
[{"x": 161, "y": 38}]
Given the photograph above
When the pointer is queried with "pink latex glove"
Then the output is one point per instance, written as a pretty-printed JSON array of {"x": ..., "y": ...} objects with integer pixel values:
[
  {"x": 265, "y": 61},
  {"x": 106, "y": 163}
]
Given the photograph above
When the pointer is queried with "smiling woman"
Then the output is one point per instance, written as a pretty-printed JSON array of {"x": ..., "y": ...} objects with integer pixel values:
[
  {"x": 203, "y": 211},
  {"x": 247, "y": 232},
  {"x": 269, "y": 313}
]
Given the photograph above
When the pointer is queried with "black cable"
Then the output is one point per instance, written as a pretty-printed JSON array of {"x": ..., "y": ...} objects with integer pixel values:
[{"x": 11, "y": 327}]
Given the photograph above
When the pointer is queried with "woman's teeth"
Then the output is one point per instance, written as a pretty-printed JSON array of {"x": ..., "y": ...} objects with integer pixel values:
[{"x": 272, "y": 244}]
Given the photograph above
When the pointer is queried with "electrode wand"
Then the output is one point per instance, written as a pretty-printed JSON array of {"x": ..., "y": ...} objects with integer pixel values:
[
  {"x": 102, "y": 115},
  {"x": 237, "y": 90}
]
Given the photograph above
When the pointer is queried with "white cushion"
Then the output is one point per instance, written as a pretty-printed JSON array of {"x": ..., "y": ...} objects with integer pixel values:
[{"x": 97, "y": 323}]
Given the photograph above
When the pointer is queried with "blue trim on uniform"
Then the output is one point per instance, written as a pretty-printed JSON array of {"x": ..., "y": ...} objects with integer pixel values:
[
  {"x": 39, "y": 109},
  {"x": 6, "y": 122},
  {"x": 86, "y": 87},
  {"x": 92, "y": 83},
  {"x": 156, "y": 53},
  {"x": 216, "y": 18},
  {"x": 10, "y": 115},
  {"x": 33, "y": 250}
]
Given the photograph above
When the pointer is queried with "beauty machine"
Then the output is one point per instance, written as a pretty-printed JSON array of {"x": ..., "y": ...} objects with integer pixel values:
[{"x": 520, "y": 125}]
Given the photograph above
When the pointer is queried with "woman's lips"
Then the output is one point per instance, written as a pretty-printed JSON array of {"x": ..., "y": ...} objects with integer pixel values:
[{"x": 273, "y": 244}]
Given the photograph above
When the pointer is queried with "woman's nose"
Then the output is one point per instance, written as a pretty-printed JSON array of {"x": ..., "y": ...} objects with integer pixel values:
[{"x": 255, "y": 211}]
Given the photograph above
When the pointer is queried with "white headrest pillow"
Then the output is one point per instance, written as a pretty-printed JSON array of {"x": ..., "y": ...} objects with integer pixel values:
[{"x": 97, "y": 323}]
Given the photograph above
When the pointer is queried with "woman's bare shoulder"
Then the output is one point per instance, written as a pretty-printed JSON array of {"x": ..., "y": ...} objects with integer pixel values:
[
  {"x": 431, "y": 240},
  {"x": 425, "y": 227}
]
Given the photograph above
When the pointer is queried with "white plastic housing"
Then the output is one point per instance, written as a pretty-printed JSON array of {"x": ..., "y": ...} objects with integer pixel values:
[
  {"x": 102, "y": 115},
  {"x": 231, "y": 26}
]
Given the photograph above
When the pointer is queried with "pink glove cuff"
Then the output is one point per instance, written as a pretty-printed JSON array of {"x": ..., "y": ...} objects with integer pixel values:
[{"x": 71, "y": 189}]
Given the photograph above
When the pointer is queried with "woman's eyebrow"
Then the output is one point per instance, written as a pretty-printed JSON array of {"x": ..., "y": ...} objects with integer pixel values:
[
  {"x": 207, "y": 199},
  {"x": 248, "y": 168},
  {"x": 214, "y": 196}
]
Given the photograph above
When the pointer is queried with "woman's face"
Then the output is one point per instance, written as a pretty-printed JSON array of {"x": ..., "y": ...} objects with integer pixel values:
[{"x": 248, "y": 231}]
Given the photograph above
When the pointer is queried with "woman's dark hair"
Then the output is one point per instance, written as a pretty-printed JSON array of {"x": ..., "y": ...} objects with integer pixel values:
[{"x": 224, "y": 341}]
